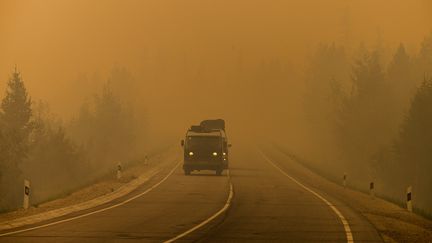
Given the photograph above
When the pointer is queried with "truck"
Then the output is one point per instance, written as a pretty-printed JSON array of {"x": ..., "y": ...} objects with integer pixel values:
[{"x": 205, "y": 147}]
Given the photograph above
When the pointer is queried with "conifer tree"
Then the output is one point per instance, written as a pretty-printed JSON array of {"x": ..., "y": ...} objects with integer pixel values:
[
  {"x": 414, "y": 146},
  {"x": 367, "y": 119},
  {"x": 424, "y": 59},
  {"x": 400, "y": 76},
  {"x": 16, "y": 117},
  {"x": 15, "y": 129}
]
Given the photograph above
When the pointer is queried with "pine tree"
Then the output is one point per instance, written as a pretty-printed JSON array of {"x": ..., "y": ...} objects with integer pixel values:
[
  {"x": 368, "y": 76},
  {"x": 112, "y": 129},
  {"x": 416, "y": 134},
  {"x": 16, "y": 117},
  {"x": 426, "y": 51},
  {"x": 367, "y": 120},
  {"x": 400, "y": 76},
  {"x": 360, "y": 109},
  {"x": 400, "y": 67},
  {"x": 15, "y": 129},
  {"x": 424, "y": 59},
  {"x": 414, "y": 146}
]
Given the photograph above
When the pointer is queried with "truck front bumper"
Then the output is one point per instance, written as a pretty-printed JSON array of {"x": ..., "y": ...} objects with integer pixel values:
[{"x": 204, "y": 165}]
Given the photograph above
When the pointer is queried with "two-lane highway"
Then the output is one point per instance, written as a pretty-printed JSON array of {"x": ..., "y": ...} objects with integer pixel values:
[
  {"x": 267, "y": 205},
  {"x": 178, "y": 204},
  {"x": 271, "y": 206}
]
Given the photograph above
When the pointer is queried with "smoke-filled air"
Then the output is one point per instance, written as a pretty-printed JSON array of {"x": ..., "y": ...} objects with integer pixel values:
[{"x": 342, "y": 89}]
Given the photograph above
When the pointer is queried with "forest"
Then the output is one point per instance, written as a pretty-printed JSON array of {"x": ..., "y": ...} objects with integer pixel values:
[
  {"x": 369, "y": 113},
  {"x": 58, "y": 157}
]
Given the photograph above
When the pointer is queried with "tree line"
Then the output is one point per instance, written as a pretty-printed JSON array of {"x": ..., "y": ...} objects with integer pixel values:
[
  {"x": 374, "y": 116},
  {"x": 58, "y": 157}
]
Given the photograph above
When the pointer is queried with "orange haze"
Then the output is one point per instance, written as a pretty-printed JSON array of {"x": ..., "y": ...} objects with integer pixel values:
[{"x": 193, "y": 59}]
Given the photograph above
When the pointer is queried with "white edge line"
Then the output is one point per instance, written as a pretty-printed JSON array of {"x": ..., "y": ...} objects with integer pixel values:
[
  {"x": 94, "y": 212},
  {"x": 225, "y": 207},
  {"x": 345, "y": 223}
]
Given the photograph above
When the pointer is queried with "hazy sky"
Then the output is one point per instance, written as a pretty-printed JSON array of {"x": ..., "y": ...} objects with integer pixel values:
[{"x": 167, "y": 43}]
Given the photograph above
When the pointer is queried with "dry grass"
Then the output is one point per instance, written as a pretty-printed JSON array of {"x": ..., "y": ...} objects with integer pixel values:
[
  {"x": 101, "y": 187},
  {"x": 394, "y": 223}
]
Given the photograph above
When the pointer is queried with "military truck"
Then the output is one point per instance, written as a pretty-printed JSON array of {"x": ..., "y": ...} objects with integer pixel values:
[
  {"x": 205, "y": 148},
  {"x": 217, "y": 124}
]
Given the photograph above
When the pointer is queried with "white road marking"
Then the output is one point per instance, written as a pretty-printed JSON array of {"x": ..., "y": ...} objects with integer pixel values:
[
  {"x": 97, "y": 211},
  {"x": 225, "y": 207},
  {"x": 345, "y": 223}
]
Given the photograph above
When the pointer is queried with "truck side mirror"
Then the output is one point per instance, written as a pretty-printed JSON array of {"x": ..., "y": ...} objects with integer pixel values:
[{"x": 182, "y": 143}]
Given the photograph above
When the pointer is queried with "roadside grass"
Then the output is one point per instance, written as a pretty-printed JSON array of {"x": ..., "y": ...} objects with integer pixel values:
[
  {"x": 422, "y": 212},
  {"x": 105, "y": 176}
]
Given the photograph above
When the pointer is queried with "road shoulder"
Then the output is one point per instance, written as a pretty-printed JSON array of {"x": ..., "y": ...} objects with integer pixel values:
[
  {"x": 394, "y": 224},
  {"x": 104, "y": 191}
]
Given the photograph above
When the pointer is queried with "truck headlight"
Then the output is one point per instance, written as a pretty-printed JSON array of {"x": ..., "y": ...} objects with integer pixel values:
[
  {"x": 214, "y": 154},
  {"x": 190, "y": 153}
]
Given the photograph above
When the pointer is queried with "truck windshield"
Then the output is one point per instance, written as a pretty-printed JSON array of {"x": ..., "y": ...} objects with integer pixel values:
[{"x": 203, "y": 142}]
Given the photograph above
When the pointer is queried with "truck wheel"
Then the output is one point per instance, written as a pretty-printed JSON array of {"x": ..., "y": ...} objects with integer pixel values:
[
  {"x": 187, "y": 172},
  {"x": 218, "y": 172}
]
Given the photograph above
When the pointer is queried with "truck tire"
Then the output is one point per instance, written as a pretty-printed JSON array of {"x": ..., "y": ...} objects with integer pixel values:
[
  {"x": 187, "y": 172},
  {"x": 219, "y": 172}
]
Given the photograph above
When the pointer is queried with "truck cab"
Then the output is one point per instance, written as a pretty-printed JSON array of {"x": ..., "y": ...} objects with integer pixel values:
[{"x": 205, "y": 149}]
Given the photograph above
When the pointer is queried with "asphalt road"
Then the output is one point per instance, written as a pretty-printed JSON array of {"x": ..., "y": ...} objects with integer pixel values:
[{"x": 267, "y": 206}]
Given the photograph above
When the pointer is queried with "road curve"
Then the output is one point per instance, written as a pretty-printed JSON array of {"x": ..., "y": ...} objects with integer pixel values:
[
  {"x": 270, "y": 207},
  {"x": 170, "y": 209},
  {"x": 267, "y": 206}
]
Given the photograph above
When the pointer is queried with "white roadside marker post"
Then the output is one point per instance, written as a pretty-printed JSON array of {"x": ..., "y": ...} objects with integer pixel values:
[
  {"x": 146, "y": 160},
  {"x": 409, "y": 199},
  {"x": 344, "y": 180},
  {"x": 119, "y": 170},
  {"x": 26, "y": 194},
  {"x": 371, "y": 189}
]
